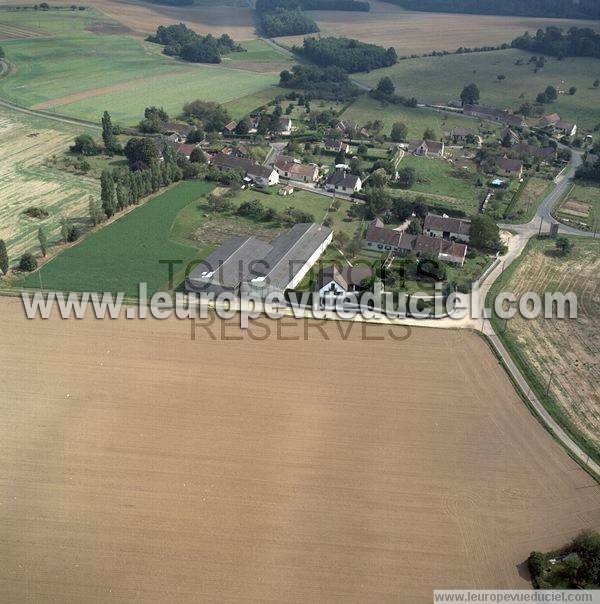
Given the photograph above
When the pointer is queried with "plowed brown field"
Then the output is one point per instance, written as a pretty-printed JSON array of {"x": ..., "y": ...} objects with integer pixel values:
[{"x": 137, "y": 465}]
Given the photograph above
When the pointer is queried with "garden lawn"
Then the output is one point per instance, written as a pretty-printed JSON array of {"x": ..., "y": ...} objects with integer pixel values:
[
  {"x": 435, "y": 176},
  {"x": 437, "y": 80},
  {"x": 119, "y": 256}
]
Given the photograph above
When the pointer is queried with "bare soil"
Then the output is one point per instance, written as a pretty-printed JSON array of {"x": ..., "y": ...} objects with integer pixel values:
[{"x": 139, "y": 465}]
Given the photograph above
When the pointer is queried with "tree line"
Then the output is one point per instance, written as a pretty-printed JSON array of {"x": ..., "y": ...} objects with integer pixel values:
[
  {"x": 282, "y": 22},
  {"x": 341, "y": 5},
  {"x": 346, "y": 53},
  {"x": 576, "y": 42},
  {"x": 568, "y": 9},
  {"x": 180, "y": 41}
]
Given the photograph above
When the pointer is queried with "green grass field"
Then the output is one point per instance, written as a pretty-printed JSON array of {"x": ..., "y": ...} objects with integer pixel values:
[
  {"x": 78, "y": 73},
  {"x": 366, "y": 109},
  {"x": 120, "y": 256},
  {"x": 435, "y": 176},
  {"x": 440, "y": 79}
]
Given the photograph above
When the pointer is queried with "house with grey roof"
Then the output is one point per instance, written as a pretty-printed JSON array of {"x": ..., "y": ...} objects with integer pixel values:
[
  {"x": 343, "y": 181},
  {"x": 446, "y": 227}
]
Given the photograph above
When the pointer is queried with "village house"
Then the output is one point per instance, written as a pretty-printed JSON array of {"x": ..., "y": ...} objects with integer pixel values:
[
  {"x": 284, "y": 126},
  {"x": 336, "y": 146},
  {"x": 426, "y": 148},
  {"x": 263, "y": 176},
  {"x": 347, "y": 127},
  {"x": 230, "y": 127},
  {"x": 381, "y": 239},
  {"x": 286, "y": 191},
  {"x": 442, "y": 249},
  {"x": 288, "y": 167},
  {"x": 494, "y": 114},
  {"x": 566, "y": 128},
  {"x": 445, "y": 227},
  {"x": 509, "y": 136},
  {"x": 460, "y": 135},
  {"x": 176, "y": 132},
  {"x": 343, "y": 181},
  {"x": 532, "y": 151},
  {"x": 236, "y": 151},
  {"x": 223, "y": 163},
  {"x": 333, "y": 282},
  {"x": 549, "y": 120},
  {"x": 509, "y": 167},
  {"x": 186, "y": 149}
]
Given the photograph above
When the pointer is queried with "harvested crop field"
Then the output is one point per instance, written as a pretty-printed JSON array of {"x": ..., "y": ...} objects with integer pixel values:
[
  {"x": 567, "y": 350},
  {"x": 28, "y": 179},
  {"x": 14, "y": 32},
  {"x": 234, "y": 18},
  {"x": 414, "y": 32},
  {"x": 141, "y": 466}
]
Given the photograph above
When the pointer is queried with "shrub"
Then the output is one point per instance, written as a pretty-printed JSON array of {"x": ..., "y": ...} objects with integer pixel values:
[{"x": 28, "y": 262}]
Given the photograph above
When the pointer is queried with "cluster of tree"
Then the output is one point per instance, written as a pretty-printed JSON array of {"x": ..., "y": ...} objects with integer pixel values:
[
  {"x": 255, "y": 210},
  {"x": 589, "y": 172},
  {"x": 2, "y": 53},
  {"x": 342, "y": 5},
  {"x": 578, "y": 568},
  {"x": 576, "y": 42},
  {"x": 154, "y": 120},
  {"x": 548, "y": 96},
  {"x": 45, "y": 6},
  {"x": 286, "y": 23},
  {"x": 85, "y": 144},
  {"x": 180, "y": 41},
  {"x": 582, "y": 9},
  {"x": 329, "y": 83},
  {"x": 386, "y": 92},
  {"x": 351, "y": 55},
  {"x": 213, "y": 116}
]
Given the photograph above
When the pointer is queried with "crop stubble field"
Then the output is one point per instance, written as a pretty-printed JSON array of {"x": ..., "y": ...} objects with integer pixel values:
[
  {"x": 160, "y": 468},
  {"x": 26, "y": 180},
  {"x": 414, "y": 32},
  {"x": 566, "y": 349}
]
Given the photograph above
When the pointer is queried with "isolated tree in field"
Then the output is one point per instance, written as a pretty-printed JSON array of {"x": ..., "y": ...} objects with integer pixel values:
[
  {"x": 501, "y": 77},
  {"x": 84, "y": 144},
  {"x": 3, "y": 258},
  {"x": 470, "y": 94},
  {"x": 596, "y": 83},
  {"x": 43, "y": 241},
  {"x": 563, "y": 245},
  {"x": 399, "y": 132},
  {"x": 28, "y": 263},
  {"x": 484, "y": 233},
  {"x": 96, "y": 212},
  {"x": 572, "y": 90},
  {"x": 429, "y": 134},
  {"x": 386, "y": 87},
  {"x": 2, "y": 54},
  {"x": 548, "y": 96},
  {"x": 107, "y": 193},
  {"x": 108, "y": 133}
]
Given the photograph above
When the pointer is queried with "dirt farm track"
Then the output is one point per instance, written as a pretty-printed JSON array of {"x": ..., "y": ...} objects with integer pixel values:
[{"x": 137, "y": 465}]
